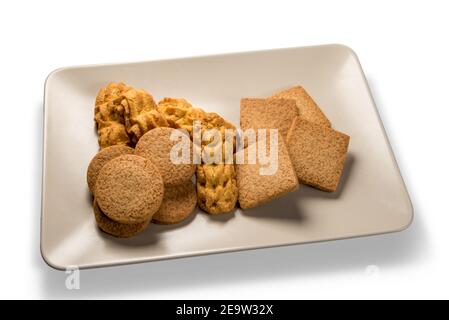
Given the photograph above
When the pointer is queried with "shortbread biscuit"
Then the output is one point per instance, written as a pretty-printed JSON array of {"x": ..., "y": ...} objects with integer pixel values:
[
  {"x": 308, "y": 109},
  {"x": 177, "y": 205},
  {"x": 110, "y": 120},
  {"x": 216, "y": 187},
  {"x": 179, "y": 113},
  {"x": 272, "y": 113},
  {"x": 117, "y": 229},
  {"x": 129, "y": 189},
  {"x": 100, "y": 159},
  {"x": 257, "y": 187},
  {"x": 156, "y": 146},
  {"x": 140, "y": 113},
  {"x": 111, "y": 92},
  {"x": 318, "y": 154},
  {"x": 124, "y": 114}
]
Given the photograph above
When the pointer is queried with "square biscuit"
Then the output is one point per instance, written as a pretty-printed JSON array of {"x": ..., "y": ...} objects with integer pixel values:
[
  {"x": 318, "y": 154},
  {"x": 308, "y": 109},
  {"x": 271, "y": 113},
  {"x": 256, "y": 189}
]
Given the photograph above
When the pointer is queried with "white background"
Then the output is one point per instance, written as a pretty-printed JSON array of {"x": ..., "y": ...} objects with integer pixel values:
[{"x": 404, "y": 49}]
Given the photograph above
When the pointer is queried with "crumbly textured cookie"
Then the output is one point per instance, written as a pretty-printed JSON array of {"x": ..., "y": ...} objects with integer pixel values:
[
  {"x": 156, "y": 146},
  {"x": 124, "y": 114},
  {"x": 308, "y": 109},
  {"x": 110, "y": 119},
  {"x": 111, "y": 92},
  {"x": 129, "y": 189},
  {"x": 178, "y": 204},
  {"x": 117, "y": 229},
  {"x": 318, "y": 154},
  {"x": 140, "y": 113},
  {"x": 216, "y": 187},
  {"x": 179, "y": 113},
  {"x": 100, "y": 159},
  {"x": 255, "y": 188},
  {"x": 272, "y": 113}
]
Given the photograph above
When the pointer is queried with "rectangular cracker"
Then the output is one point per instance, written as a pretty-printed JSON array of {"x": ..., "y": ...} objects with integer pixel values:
[
  {"x": 318, "y": 154},
  {"x": 308, "y": 109},
  {"x": 256, "y": 189},
  {"x": 268, "y": 114}
]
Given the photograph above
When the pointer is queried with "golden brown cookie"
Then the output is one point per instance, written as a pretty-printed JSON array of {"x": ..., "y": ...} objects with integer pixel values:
[
  {"x": 156, "y": 146},
  {"x": 179, "y": 113},
  {"x": 124, "y": 114},
  {"x": 272, "y": 113},
  {"x": 112, "y": 133},
  {"x": 216, "y": 187},
  {"x": 177, "y": 205},
  {"x": 111, "y": 92},
  {"x": 308, "y": 109},
  {"x": 117, "y": 229},
  {"x": 318, "y": 154},
  {"x": 140, "y": 113},
  {"x": 110, "y": 120},
  {"x": 257, "y": 187},
  {"x": 100, "y": 159},
  {"x": 129, "y": 189}
]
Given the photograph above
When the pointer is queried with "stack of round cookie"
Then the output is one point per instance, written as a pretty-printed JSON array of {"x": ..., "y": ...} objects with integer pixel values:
[
  {"x": 180, "y": 192},
  {"x": 132, "y": 187}
]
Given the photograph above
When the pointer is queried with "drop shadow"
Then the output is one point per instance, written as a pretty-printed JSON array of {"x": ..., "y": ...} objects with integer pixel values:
[
  {"x": 301, "y": 261},
  {"x": 146, "y": 238},
  {"x": 161, "y": 228},
  {"x": 285, "y": 207},
  {"x": 152, "y": 234}
]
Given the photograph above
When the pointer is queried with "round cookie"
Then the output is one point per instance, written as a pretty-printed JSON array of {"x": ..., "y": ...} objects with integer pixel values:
[
  {"x": 116, "y": 229},
  {"x": 100, "y": 159},
  {"x": 178, "y": 204},
  {"x": 156, "y": 146},
  {"x": 129, "y": 189}
]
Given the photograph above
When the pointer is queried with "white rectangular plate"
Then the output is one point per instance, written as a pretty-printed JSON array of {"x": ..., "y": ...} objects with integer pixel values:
[{"x": 371, "y": 199}]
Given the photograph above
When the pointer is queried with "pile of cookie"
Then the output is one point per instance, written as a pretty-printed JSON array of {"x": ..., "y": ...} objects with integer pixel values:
[
  {"x": 134, "y": 182},
  {"x": 310, "y": 151},
  {"x": 133, "y": 186}
]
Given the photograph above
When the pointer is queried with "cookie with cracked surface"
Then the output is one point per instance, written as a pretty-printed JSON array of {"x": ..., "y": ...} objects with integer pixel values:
[{"x": 129, "y": 189}]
